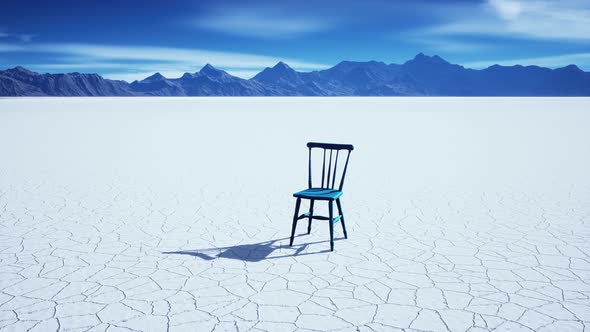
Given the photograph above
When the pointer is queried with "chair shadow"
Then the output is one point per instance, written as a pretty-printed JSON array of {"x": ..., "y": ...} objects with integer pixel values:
[{"x": 254, "y": 252}]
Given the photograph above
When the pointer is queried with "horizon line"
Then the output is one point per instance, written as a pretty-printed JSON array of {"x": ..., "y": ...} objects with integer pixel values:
[{"x": 478, "y": 66}]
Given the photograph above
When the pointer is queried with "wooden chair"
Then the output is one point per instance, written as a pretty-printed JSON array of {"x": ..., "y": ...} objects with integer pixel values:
[{"x": 326, "y": 191}]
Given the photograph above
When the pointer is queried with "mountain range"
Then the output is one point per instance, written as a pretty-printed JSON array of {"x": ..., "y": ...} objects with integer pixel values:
[{"x": 422, "y": 76}]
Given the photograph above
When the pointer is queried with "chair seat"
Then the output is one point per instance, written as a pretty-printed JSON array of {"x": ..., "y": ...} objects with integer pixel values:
[{"x": 319, "y": 194}]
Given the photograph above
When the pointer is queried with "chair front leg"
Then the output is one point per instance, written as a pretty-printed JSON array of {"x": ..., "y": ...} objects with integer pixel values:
[
  {"x": 310, "y": 215},
  {"x": 331, "y": 209},
  {"x": 341, "y": 217},
  {"x": 295, "y": 220}
]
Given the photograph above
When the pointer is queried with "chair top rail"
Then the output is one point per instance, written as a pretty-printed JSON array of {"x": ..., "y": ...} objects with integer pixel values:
[{"x": 331, "y": 146}]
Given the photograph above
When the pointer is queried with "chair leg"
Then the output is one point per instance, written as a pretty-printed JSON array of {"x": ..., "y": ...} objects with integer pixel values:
[
  {"x": 331, "y": 209},
  {"x": 295, "y": 215},
  {"x": 341, "y": 218},
  {"x": 310, "y": 214}
]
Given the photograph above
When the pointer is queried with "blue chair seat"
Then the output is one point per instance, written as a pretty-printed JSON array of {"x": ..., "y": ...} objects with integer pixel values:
[{"x": 321, "y": 194}]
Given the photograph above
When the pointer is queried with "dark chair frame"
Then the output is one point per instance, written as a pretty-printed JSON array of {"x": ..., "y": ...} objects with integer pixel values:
[{"x": 327, "y": 183}]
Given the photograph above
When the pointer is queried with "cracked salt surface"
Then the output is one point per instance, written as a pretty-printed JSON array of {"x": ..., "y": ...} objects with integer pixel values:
[{"x": 142, "y": 214}]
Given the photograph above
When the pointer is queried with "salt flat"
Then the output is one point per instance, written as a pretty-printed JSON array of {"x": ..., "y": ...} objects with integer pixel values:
[{"x": 463, "y": 214}]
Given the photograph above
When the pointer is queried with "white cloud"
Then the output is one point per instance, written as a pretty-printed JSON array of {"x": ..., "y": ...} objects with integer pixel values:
[
  {"x": 554, "y": 20},
  {"x": 18, "y": 36},
  {"x": 177, "y": 56},
  {"x": 261, "y": 22},
  {"x": 508, "y": 9},
  {"x": 580, "y": 59}
]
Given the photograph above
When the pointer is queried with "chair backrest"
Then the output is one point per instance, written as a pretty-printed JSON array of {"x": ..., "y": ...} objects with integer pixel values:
[{"x": 331, "y": 153}]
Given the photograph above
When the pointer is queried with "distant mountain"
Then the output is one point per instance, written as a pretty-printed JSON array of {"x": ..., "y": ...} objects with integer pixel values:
[
  {"x": 421, "y": 76},
  {"x": 19, "y": 81},
  {"x": 209, "y": 81},
  {"x": 156, "y": 85}
]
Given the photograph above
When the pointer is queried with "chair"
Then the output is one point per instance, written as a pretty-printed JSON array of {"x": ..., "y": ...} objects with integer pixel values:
[{"x": 326, "y": 191}]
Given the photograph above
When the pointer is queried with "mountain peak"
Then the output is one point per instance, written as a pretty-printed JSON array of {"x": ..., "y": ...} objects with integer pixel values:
[
  {"x": 20, "y": 69},
  {"x": 154, "y": 78},
  {"x": 211, "y": 73},
  {"x": 571, "y": 68},
  {"x": 208, "y": 68},
  {"x": 281, "y": 65},
  {"x": 422, "y": 58},
  {"x": 157, "y": 76},
  {"x": 280, "y": 72}
]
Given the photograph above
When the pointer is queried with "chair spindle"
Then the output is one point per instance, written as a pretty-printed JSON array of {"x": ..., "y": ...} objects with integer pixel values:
[
  {"x": 335, "y": 169},
  {"x": 329, "y": 171}
]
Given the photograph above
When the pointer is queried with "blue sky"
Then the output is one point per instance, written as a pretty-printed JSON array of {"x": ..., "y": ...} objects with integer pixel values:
[{"x": 135, "y": 38}]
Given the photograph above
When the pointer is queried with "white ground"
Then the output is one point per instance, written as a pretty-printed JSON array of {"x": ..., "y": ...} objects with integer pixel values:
[{"x": 147, "y": 214}]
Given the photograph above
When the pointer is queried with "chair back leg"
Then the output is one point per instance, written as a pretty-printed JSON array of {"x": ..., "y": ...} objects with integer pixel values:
[
  {"x": 297, "y": 205},
  {"x": 341, "y": 217},
  {"x": 331, "y": 223},
  {"x": 310, "y": 215}
]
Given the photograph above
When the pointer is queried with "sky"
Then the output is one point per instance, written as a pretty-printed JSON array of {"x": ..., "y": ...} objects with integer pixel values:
[{"x": 132, "y": 39}]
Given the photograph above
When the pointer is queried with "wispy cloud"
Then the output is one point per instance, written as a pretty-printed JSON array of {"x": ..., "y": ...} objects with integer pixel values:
[
  {"x": 580, "y": 59},
  {"x": 445, "y": 44},
  {"x": 174, "y": 55},
  {"x": 261, "y": 23},
  {"x": 507, "y": 9},
  {"x": 553, "y": 20},
  {"x": 135, "y": 61},
  {"x": 9, "y": 47},
  {"x": 23, "y": 37}
]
